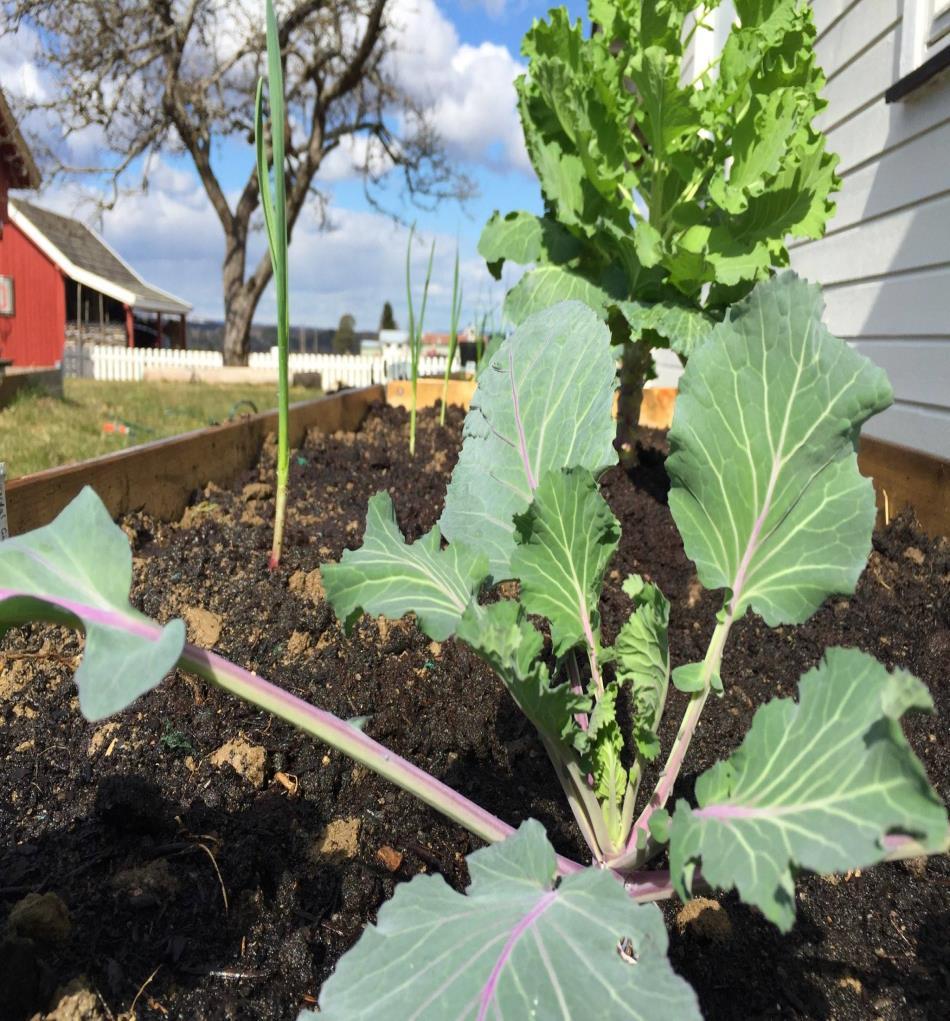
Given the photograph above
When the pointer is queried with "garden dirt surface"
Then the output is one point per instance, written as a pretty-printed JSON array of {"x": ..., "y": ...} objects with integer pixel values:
[{"x": 195, "y": 859}]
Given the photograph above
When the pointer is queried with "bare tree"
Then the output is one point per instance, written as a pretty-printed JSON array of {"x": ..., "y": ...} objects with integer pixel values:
[{"x": 178, "y": 76}]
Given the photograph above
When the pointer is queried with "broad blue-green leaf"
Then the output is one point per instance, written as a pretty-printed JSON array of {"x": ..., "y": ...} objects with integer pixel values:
[
  {"x": 389, "y": 577},
  {"x": 766, "y": 489},
  {"x": 565, "y": 539},
  {"x": 683, "y": 328},
  {"x": 502, "y": 635},
  {"x": 641, "y": 653},
  {"x": 548, "y": 284},
  {"x": 79, "y": 567},
  {"x": 543, "y": 404},
  {"x": 818, "y": 785},
  {"x": 517, "y": 945}
]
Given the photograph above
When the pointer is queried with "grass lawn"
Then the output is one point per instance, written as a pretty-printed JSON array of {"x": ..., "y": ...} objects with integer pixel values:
[{"x": 41, "y": 432}]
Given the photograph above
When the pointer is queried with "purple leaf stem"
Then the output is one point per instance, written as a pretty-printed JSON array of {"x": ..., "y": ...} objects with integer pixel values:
[
  {"x": 522, "y": 439},
  {"x": 664, "y": 786},
  {"x": 488, "y": 992},
  {"x": 323, "y": 725}
]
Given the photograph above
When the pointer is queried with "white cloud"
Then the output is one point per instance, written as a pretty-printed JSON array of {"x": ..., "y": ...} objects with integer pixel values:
[
  {"x": 469, "y": 91},
  {"x": 470, "y": 88},
  {"x": 360, "y": 263},
  {"x": 494, "y": 8}
]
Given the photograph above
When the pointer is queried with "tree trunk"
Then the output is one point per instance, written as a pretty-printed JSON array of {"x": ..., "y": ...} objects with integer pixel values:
[
  {"x": 635, "y": 364},
  {"x": 238, "y": 311},
  {"x": 238, "y": 303}
]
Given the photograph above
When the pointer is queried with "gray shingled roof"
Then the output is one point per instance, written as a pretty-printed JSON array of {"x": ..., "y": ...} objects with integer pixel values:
[{"x": 87, "y": 251}]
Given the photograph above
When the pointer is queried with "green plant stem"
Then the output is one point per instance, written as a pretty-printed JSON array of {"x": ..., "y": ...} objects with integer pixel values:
[
  {"x": 453, "y": 334},
  {"x": 579, "y": 799},
  {"x": 280, "y": 509},
  {"x": 413, "y": 357},
  {"x": 275, "y": 221},
  {"x": 640, "y": 833},
  {"x": 415, "y": 333}
]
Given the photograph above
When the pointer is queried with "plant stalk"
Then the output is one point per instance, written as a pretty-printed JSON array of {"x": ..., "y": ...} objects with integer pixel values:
[
  {"x": 345, "y": 738},
  {"x": 634, "y": 857},
  {"x": 275, "y": 221},
  {"x": 453, "y": 334},
  {"x": 415, "y": 333}
]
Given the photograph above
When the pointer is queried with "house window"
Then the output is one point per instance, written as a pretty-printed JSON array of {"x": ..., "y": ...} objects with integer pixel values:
[
  {"x": 925, "y": 31},
  {"x": 6, "y": 296},
  {"x": 939, "y": 24}
]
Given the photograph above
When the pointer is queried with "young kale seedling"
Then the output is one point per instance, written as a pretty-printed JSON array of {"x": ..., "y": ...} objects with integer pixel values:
[
  {"x": 415, "y": 333},
  {"x": 771, "y": 507},
  {"x": 275, "y": 221}
]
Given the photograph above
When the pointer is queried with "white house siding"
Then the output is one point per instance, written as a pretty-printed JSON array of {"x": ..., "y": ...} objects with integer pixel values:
[{"x": 885, "y": 260}]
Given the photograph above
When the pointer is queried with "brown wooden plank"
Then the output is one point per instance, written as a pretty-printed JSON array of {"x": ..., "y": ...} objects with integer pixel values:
[
  {"x": 160, "y": 477},
  {"x": 656, "y": 411},
  {"x": 429, "y": 392},
  {"x": 908, "y": 478}
]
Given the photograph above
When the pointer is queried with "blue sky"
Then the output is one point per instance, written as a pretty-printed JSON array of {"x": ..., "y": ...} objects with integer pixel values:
[{"x": 462, "y": 56}]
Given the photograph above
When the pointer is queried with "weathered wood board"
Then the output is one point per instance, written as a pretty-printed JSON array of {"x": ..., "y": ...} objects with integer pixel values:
[{"x": 161, "y": 476}]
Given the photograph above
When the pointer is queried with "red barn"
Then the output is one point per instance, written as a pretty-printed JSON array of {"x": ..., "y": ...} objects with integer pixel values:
[
  {"x": 37, "y": 312},
  {"x": 61, "y": 283}
]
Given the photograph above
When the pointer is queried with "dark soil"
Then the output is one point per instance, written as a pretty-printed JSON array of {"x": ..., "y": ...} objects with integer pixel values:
[{"x": 141, "y": 835}]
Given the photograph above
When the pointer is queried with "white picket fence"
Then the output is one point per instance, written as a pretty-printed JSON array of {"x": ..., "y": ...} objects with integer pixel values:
[
  {"x": 104, "y": 361},
  {"x": 335, "y": 370},
  {"x": 124, "y": 364}
]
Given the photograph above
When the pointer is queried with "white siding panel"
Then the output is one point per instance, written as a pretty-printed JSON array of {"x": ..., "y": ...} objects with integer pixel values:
[
  {"x": 918, "y": 368},
  {"x": 827, "y": 12},
  {"x": 909, "y": 239},
  {"x": 926, "y": 429},
  {"x": 882, "y": 126},
  {"x": 913, "y": 305},
  {"x": 855, "y": 32},
  {"x": 668, "y": 368},
  {"x": 907, "y": 175},
  {"x": 865, "y": 79}
]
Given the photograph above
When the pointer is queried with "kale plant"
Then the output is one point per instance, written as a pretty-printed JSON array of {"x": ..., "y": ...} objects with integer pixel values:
[
  {"x": 668, "y": 191},
  {"x": 772, "y": 509}
]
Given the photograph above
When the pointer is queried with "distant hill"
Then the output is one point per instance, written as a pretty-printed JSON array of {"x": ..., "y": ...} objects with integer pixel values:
[{"x": 208, "y": 335}]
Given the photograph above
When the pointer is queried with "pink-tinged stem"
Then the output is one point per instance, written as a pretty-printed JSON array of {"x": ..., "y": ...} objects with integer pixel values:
[
  {"x": 901, "y": 845},
  {"x": 522, "y": 439},
  {"x": 591, "y": 647},
  {"x": 488, "y": 991},
  {"x": 280, "y": 511},
  {"x": 711, "y": 665},
  {"x": 664, "y": 786},
  {"x": 323, "y": 725},
  {"x": 346, "y": 738}
]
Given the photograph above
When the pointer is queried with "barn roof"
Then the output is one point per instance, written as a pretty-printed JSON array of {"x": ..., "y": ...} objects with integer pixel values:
[
  {"x": 14, "y": 152},
  {"x": 83, "y": 255}
]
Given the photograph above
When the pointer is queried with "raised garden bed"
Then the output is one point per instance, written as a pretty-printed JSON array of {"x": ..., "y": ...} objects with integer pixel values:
[{"x": 244, "y": 886}]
